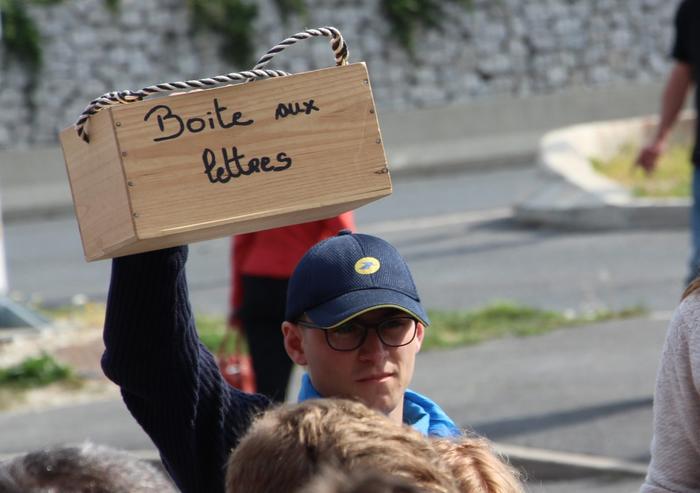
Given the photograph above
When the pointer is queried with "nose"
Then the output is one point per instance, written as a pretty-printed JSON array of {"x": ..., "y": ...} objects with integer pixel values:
[{"x": 373, "y": 349}]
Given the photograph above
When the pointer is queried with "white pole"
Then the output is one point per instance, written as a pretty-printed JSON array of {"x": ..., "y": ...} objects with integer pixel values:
[{"x": 3, "y": 264}]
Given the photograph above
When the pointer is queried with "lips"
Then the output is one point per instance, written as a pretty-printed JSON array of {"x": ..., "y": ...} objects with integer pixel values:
[{"x": 376, "y": 377}]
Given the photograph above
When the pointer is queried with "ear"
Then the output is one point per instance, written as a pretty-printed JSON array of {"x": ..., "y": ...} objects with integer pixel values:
[
  {"x": 420, "y": 333},
  {"x": 293, "y": 342}
]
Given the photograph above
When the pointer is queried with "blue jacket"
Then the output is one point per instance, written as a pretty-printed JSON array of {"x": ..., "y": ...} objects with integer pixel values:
[{"x": 418, "y": 411}]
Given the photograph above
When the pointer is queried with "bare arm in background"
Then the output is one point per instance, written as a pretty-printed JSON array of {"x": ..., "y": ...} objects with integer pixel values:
[{"x": 677, "y": 86}]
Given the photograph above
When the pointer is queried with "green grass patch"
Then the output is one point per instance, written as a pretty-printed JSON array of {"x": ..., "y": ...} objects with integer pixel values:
[
  {"x": 38, "y": 371},
  {"x": 211, "y": 330},
  {"x": 88, "y": 314},
  {"x": 448, "y": 328},
  {"x": 500, "y": 319},
  {"x": 672, "y": 177},
  {"x": 461, "y": 328}
]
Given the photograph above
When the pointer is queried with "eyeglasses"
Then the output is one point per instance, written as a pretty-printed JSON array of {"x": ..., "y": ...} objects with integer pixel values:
[{"x": 393, "y": 332}]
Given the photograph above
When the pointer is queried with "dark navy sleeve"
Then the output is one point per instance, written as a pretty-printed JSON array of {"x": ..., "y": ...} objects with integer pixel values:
[{"x": 169, "y": 381}]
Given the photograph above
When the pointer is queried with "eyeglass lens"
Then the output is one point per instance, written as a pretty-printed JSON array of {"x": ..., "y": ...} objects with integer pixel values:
[{"x": 395, "y": 332}]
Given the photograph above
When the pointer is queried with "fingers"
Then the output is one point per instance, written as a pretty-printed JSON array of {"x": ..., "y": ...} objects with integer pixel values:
[{"x": 648, "y": 159}]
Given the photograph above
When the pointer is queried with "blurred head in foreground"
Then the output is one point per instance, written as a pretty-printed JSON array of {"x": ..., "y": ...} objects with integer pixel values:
[
  {"x": 291, "y": 445},
  {"x": 334, "y": 481},
  {"x": 85, "y": 468}
]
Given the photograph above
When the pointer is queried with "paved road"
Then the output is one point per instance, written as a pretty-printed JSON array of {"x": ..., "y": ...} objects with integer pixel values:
[{"x": 453, "y": 229}]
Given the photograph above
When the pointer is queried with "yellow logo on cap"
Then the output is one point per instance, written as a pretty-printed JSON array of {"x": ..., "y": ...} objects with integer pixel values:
[{"x": 367, "y": 265}]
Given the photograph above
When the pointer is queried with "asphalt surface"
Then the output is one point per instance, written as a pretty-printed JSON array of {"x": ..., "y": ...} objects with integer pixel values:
[{"x": 456, "y": 232}]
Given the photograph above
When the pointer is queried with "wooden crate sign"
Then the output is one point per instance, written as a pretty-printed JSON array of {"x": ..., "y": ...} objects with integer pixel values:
[{"x": 234, "y": 159}]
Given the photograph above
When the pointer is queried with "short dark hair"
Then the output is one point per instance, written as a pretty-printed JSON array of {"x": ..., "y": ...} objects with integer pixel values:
[{"x": 84, "y": 468}]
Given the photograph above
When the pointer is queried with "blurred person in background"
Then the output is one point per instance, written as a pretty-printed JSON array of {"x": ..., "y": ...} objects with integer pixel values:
[
  {"x": 675, "y": 447},
  {"x": 262, "y": 263},
  {"x": 683, "y": 76},
  {"x": 85, "y": 468}
]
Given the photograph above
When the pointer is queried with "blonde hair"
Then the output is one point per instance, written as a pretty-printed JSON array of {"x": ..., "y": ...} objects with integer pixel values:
[
  {"x": 288, "y": 445},
  {"x": 476, "y": 467}
]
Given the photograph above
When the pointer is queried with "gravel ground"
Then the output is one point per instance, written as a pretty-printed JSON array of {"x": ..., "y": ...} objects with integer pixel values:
[{"x": 80, "y": 348}]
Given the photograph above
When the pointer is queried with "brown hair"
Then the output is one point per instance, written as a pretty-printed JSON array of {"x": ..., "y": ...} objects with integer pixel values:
[
  {"x": 289, "y": 445},
  {"x": 332, "y": 481},
  {"x": 476, "y": 467},
  {"x": 693, "y": 286}
]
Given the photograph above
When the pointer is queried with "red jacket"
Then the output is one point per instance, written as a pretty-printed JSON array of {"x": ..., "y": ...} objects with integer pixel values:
[{"x": 276, "y": 252}]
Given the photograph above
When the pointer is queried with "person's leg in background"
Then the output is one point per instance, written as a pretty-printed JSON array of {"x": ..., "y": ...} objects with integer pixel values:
[
  {"x": 694, "y": 264},
  {"x": 262, "y": 315}
]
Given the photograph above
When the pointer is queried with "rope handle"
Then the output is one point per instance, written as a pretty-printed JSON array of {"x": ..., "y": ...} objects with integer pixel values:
[
  {"x": 340, "y": 49},
  {"x": 338, "y": 45}
]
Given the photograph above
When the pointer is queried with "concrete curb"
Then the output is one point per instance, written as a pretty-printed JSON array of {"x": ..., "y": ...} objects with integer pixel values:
[
  {"x": 476, "y": 153},
  {"x": 549, "y": 465},
  {"x": 576, "y": 197}
]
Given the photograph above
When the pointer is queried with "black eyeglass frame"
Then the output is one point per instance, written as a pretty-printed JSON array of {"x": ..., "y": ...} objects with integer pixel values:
[{"x": 366, "y": 327}]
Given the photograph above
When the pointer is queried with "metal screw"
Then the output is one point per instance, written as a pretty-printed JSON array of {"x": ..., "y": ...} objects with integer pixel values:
[
  {"x": 118, "y": 124},
  {"x": 365, "y": 82},
  {"x": 123, "y": 153},
  {"x": 130, "y": 183},
  {"x": 371, "y": 110},
  {"x": 135, "y": 214},
  {"x": 378, "y": 141}
]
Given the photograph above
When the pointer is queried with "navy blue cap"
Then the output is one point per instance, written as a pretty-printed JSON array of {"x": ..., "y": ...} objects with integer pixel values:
[{"x": 349, "y": 274}]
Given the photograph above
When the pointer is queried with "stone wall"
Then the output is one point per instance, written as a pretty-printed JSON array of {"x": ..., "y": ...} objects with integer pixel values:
[{"x": 514, "y": 47}]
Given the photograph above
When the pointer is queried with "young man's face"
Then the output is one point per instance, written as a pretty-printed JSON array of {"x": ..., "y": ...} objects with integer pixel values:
[{"x": 374, "y": 373}]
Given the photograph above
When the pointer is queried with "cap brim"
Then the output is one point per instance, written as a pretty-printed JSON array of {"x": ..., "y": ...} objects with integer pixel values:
[{"x": 349, "y": 305}]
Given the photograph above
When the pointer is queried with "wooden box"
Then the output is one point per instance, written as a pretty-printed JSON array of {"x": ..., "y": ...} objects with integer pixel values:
[{"x": 204, "y": 164}]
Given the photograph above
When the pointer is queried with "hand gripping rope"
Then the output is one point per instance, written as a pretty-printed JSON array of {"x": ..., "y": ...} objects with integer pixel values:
[{"x": 340, "y": 51}]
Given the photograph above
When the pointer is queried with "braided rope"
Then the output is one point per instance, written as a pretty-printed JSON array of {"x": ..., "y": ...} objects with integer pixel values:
[
  {"x": 338, "y": 45},
  {"x": 121, "y": 97},
  {"x": 340, "y": 51}
]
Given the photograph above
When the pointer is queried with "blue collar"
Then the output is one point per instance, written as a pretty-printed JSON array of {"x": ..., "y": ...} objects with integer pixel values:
[{"x": 418, "y": 411}]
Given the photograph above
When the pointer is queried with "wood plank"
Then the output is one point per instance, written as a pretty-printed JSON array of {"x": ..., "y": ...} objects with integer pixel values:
[
  {"x": 241, "y": 226},
  {"x": 98, "y": 187},
  {"x": 333, "y": 143}
]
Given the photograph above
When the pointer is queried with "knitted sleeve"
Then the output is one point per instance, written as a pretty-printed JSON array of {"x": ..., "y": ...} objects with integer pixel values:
[
  {"x": 169, "y": 381},
  {"x": 675, "y": 448}
]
